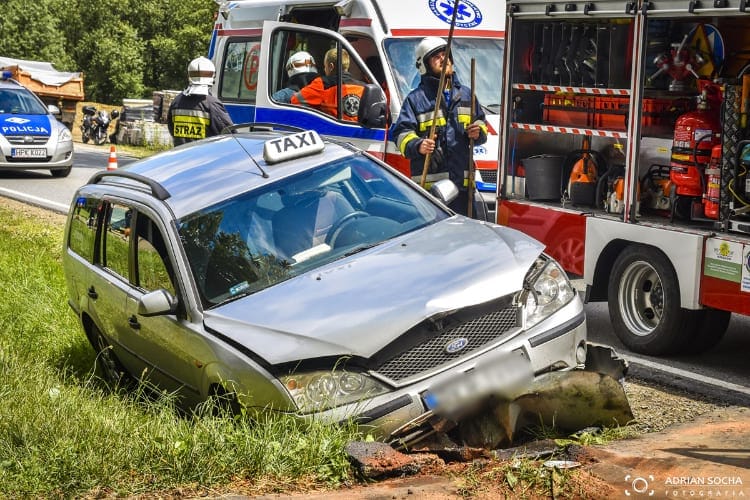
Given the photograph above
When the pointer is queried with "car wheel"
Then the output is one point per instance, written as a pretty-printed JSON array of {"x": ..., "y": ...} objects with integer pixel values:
[
  {"x": 644, "y": 302},
  {"x": 61, "y": 172},
  {"x": 710, "y": 327},
  {"x": 112, "y": 370}
]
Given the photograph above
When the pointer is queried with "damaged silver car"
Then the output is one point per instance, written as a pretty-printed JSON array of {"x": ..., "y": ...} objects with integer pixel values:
[{"x": 300, "y": 275}]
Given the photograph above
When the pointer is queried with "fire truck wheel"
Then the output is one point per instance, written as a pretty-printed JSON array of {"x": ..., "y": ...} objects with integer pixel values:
[
  {"x": 711, "y": 325},
  {"x": 644, "y": 302}
]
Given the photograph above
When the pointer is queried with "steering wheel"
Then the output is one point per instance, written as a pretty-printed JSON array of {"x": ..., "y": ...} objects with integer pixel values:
[{"x": 337, "y": 226}]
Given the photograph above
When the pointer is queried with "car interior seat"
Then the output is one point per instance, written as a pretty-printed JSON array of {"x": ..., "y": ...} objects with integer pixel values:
[{"x": 306, "y": 219}]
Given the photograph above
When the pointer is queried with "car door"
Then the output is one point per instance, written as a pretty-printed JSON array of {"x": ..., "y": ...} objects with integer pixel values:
[
  {"x": 171, "y": 349},
  {"x": 278, "y": 42}
]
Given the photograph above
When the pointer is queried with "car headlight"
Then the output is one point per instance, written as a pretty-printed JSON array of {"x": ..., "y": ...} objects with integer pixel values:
[
  {"x": 547, "y": 289},
  {"x": 318, "y": 391},
  {"x": 64, "y": 135}
]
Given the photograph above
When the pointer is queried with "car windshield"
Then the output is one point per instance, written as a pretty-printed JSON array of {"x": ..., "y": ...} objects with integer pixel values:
[
  {"x": 297, "y": 224},
  {"x": 21, "y": 102},
  {"x": 488, "y": 54}
]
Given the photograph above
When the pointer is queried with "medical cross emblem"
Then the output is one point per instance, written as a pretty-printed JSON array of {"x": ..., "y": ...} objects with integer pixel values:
[{"x": 468, "y": 15}]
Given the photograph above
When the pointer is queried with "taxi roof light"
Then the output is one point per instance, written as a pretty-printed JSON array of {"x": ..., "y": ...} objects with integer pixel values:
[{"x": 291, "y": 146}]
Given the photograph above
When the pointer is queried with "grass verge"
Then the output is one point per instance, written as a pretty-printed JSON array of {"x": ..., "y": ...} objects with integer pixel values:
[{"x": 63, "y": 434}]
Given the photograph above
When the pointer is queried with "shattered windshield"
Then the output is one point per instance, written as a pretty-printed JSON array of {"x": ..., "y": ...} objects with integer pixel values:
[
  {"x": 488, "y": 54},
  {"x": 271, "y": 234}
]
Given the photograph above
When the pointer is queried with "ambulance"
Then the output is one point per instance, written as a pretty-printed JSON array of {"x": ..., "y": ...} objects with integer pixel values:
[{"x": 253, "y": 39}]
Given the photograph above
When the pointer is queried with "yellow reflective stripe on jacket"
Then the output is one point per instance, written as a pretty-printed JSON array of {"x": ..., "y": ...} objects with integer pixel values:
[
  {"x": 440, "y": 122},
  {"x": 190, "y": 123},
  {"x": 404, "y": 139}
]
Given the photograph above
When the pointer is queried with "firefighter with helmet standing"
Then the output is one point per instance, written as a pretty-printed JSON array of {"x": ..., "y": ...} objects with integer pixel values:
[
  {"x": 195, "y": 114},
  {"x": 449, "y": 151}
]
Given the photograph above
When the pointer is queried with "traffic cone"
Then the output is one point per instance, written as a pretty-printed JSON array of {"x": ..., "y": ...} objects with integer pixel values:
[{"x": 112, "y": 163}]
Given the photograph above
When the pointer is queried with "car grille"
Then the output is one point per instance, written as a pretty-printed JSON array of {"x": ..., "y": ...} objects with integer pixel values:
[
  {"x": 489, "y": 175},
  {"x": 28, "y": 160},
  {"x": 431, "y": 354},
  {"x": 20, "y": 140}
]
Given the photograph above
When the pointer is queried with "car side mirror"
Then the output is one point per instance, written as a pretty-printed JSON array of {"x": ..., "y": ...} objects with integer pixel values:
[
  {"x": 53, "y": 109},
  {"x": 372, "y": 107},
  {"x": 157, "y": 303},
  {"x": 444, "y": 190}
]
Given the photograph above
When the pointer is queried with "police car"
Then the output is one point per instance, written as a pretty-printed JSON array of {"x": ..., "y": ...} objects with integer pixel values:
[
  {"x": 30, "y": 135},
  {"x": 297, "y": 274}
]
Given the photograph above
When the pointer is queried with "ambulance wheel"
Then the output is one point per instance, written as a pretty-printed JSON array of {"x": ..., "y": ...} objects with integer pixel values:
[
  {"x": 710, "y": 327},
  {"x": 644, "y": 302}
]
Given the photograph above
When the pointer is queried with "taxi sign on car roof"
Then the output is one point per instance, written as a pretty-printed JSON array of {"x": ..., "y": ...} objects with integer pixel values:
[{"x": 292, "y": 146}]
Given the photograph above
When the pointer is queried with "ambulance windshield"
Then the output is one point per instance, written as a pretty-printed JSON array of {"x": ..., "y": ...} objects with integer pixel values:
[{"x": 487, "y": 52}]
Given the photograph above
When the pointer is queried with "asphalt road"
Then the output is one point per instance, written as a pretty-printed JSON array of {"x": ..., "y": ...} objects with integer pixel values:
[{"x": 723, "y": 372}]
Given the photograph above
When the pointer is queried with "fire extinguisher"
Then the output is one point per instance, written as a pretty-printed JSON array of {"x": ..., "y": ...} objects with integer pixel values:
[
  {"x": 713, "y": 185},
  {"x": 695, "y": 135}
]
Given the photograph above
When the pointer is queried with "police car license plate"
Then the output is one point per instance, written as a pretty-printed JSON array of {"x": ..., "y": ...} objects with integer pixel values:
[
  {"x": 28, "y": 153},
  {"x": 500, "y": 374}
]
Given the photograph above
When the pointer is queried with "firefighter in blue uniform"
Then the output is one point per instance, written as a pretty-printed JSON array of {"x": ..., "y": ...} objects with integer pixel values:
[
  {"x": 195, "y": 114},
  {"x": 449, "y": 152}
]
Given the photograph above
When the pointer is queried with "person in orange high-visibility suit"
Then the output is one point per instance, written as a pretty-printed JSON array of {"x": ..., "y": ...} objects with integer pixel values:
[{"x": 322, "y": 92}]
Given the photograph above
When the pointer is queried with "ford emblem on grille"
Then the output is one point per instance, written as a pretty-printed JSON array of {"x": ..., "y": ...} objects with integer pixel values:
[{"x": 456, "y": 345}]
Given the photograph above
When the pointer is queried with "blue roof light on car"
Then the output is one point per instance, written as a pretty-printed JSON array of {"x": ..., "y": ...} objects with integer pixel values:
[
  {"x": 6, "y": 75},
  {"x": 292, "y": 146}
]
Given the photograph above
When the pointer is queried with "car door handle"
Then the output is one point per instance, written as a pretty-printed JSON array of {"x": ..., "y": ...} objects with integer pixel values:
[
  {"x": 133, "y": 322},
  {"x": 92, "y": 293}
]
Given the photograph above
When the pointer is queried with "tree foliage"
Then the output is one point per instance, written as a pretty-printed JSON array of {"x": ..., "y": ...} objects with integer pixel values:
[{"x": 125, "y": 48}]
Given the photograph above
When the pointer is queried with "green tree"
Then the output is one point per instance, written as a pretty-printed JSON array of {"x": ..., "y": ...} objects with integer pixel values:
[
  {"x": 34, "y": 31},
  {"x": 125, "y": 48}
]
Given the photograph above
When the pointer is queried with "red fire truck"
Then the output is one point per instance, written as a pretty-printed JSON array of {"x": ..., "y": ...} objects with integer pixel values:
[{"x": 625, "y": 148}]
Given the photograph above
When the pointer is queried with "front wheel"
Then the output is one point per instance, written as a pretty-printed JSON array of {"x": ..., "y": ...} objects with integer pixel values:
[
  {"x": 101, "y": 137},
  {"x": 644, "y": 302},
  {"x": 85, "y": 136},
  {"x": 61, "y": 172}
]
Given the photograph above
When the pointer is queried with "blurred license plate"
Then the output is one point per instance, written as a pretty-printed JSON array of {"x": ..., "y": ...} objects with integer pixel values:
[
  {"x": 28, "y": 153},
  {"x": 501, "y": 374}
]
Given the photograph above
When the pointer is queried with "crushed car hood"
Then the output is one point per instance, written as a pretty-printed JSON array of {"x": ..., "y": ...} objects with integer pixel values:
[{"x": 357, "y": 305}]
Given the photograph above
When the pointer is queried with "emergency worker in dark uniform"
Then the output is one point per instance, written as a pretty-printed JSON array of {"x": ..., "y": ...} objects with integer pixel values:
[
  {"x": 322, "y": 92},
  {"x": 195, "y": 114},
  {"x": 449, "y": 151}
]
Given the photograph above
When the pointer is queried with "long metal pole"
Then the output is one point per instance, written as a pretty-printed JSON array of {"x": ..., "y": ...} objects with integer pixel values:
[
  {"x": 439, "y": 97},
  {"x": 470, "y": 209}
]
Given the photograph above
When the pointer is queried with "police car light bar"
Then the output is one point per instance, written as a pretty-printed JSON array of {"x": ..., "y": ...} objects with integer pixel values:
[
  {"x": 6, "y": 75},
  {"x": 292, "y": 146}
]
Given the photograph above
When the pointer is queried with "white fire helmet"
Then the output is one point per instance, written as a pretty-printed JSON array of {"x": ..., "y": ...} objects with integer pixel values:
[
  {"x": 426, "y": 49},
  {"x": 201, "y": 73},
  {"x": 300, "y": 62}
]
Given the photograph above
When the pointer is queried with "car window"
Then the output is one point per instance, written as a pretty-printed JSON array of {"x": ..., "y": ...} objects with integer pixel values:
[
  {"x": 152, "y": 260},
  {"x": 82, "y": 234},
  {"x": 239, "y": 75},
  {"x": 117, "y": 239},
  {"x": 256, "y": 240},
  {"x": 400, "y": 53},
  {"x": 20, "y": 101}
]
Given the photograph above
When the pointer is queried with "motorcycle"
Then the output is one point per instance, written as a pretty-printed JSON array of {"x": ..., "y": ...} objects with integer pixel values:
[{"x": 95, "y": 124}]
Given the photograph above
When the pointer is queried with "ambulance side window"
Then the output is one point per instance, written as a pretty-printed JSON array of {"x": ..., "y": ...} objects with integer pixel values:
[
  {"x": 240, "y": 69},
  {"x": 288, "y": 42}
]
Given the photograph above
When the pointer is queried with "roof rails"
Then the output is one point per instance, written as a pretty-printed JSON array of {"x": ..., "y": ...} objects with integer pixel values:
[{"x": 157, "y": 190}]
